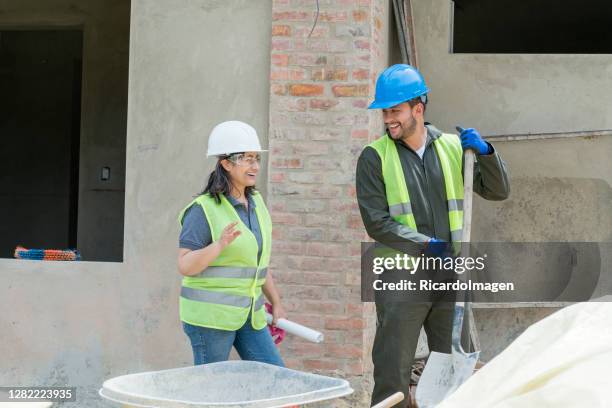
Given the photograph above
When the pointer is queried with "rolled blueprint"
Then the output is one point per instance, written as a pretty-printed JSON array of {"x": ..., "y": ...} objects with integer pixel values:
[{"x": 297, "y": 329}]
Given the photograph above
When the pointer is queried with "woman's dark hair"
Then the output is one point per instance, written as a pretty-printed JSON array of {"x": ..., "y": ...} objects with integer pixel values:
[{"x": 219, "y": 182}]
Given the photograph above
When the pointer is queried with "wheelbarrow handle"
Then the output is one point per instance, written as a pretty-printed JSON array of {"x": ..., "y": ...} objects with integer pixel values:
[{"x": 390, "y": 401}]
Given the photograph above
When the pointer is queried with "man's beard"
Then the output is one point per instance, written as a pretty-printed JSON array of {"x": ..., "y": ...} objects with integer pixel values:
[{"x": 406, "y": 132}]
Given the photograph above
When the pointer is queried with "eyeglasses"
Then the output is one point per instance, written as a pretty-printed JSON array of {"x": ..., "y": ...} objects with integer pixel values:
[{"x": 241, "y": 160}]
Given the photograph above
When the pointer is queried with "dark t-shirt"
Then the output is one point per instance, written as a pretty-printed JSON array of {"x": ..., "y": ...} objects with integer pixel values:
[{"x": 196, "y": 234}]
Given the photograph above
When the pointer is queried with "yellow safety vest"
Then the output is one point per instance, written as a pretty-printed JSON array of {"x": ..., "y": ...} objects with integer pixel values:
[
  {"x": 223, "y": 295},
  {"x": 450, "y": 155}
]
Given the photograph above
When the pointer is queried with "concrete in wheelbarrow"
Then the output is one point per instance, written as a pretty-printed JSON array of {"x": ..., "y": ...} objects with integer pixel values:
[{"x": 228, "y": 384}]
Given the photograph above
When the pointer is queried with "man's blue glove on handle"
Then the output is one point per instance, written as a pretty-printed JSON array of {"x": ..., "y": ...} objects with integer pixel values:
[
  {"x": 436, "y": 248},
  {"x": 471, "y": 139}
]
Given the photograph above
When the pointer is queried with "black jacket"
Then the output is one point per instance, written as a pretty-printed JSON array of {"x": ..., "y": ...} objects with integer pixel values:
[{"x": 427, "y": 193}]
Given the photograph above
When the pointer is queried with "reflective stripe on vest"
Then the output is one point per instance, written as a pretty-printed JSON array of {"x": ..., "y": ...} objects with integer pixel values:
[
  {"x": 224, "y": 294},
  {"x": 209, "y": 296},
  {"x": 232, "y": 272},
  {"x": 450, "y": 155}
]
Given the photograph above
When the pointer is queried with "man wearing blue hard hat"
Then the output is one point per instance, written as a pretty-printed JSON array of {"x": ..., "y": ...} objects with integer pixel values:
[{"x": 410, "y": 194}]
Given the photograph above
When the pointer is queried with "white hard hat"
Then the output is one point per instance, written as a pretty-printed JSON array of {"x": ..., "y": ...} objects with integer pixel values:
[{"x": 232, "y": 137}]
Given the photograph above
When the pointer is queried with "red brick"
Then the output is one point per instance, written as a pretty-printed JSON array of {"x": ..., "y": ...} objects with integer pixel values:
[
  {"x": 306, "y": 349},
  {"x": 309, "y": 118},
  {"x": 281, "y": 31},
  {"x": 352, "y": 278},
  {"x": 277, "y": 233},
  {"x": 360, "y": 103},
  {"x": 360, "y": 16},
  {"x": 304, "y": 291},
  {"x": 309, "y": 263},
  {"x": 339, "y": 45},
  {"x": 310, "y": 148},
  {"x": 359, "y": 74},
  {"x": 291, "y": 277},
  {"x": 285, "y": 218},
  {"x": 354, "y": 309},
  {"x": 332, "y": 323},
  {"x": 346, "y": 235},
  {"x": 362, "y": 44},
  {"x": 378, "y": 23},
  {"x": 281, "y": 44},
  {"x": 355, "y": 222},
  {"x": 308, "y": 59},
  {"x": 284, "y": 247},
  {"x": 325, "y": 220},
  {"x": 325, "y": 249},
  {"x": 351, "y": 30},
  {"x": 288, "y": 134},
  {"x": 326, "y": 364},
  {"x": 278, "y": 89},
  {"x": 351, "y": 191},
  {"x": 359, "y": 133},
  {"x": 354, "y": 368},
  {"x": 345, "y": 205},
  {"x": 306, "y": 90},
  {"x": 344, "y": 264},
  {"x": 355, "y": 60},
  {"x": 282, "y": 60},
  {"x": 291, "y": 16},
  {"x": 323, "y": 164},
  {"x": 293, "y": 363},
  {"x": 323, "y": 104},
  {"x": 305, "y": 234},
  {"x": 287, "y": 163},
  {"x": 344, "y": 351},
  {"x": 329, "y": 74},
  {"x": 350, "y": 90},
  {"x": 277, "y": 177},
  {"x": 290, "y": 105},
  {"x": 324, "y": 191},
  {"x": 279, "y": 74},
  {"x": 328, "y": 134},
  {"x": 324, "y": 307},
  {"x": 308, "y": 206},
  {"x": 333, "y": 17},
  {"x": 320, "y": 278},
  {"x": 318, "y": 32}
]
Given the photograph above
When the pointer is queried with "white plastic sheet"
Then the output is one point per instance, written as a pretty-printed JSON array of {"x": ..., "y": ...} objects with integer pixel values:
[{"x": 564, "y": 360}]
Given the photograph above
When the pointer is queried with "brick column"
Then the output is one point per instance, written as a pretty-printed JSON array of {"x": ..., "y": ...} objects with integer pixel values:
[{"x": 319, "y": 90}]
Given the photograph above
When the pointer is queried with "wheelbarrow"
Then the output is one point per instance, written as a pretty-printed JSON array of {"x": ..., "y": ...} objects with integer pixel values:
[{"x": 228, "y": 384}]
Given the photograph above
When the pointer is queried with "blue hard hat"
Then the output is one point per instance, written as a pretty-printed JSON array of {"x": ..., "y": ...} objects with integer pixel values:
[{"x": 397, "y": 84}]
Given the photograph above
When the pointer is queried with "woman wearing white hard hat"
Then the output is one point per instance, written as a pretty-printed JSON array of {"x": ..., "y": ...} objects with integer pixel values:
[{"x": 224, "y": 252}]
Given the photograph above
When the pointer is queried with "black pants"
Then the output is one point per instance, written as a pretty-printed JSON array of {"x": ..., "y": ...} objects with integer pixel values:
[{"x": 397, "y": 333}]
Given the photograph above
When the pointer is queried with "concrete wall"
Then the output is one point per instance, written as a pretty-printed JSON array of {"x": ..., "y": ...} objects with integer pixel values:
[
  {"x": 192, "y": 64},
  {"x": 561, "y": 186},
  {"x": 105, "y": 27},
  {"x": 509, "y": 94}
]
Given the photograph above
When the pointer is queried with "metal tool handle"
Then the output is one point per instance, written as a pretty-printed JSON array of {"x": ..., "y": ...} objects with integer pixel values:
[
  {"x": 468, "y": 189},
  {"x": 390, "y": 401}
]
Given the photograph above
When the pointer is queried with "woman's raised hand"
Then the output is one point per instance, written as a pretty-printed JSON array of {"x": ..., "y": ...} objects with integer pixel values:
[{"x": 229, "y": 234}]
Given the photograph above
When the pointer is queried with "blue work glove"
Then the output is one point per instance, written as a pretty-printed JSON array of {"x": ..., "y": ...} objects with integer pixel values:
[
  {"x": 436, "y": 248},
  {"x": 471, "y": 139}
]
